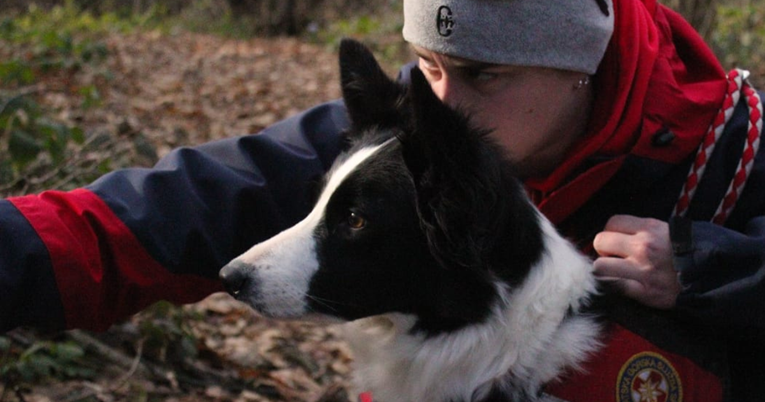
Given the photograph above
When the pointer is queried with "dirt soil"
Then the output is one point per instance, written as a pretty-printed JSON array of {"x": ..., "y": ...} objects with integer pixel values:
[{"x": 185, "y": 89}]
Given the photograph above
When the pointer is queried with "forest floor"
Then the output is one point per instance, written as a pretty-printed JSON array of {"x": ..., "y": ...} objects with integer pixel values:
[{"x": 176, "y": 90}]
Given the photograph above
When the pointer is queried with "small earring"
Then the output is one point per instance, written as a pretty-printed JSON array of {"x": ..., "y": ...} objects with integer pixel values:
[{"x": 582, "y": 82}]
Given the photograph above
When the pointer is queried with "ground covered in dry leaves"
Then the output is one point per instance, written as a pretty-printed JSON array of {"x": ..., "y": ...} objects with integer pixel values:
[
  {"x": 228, "y": 354},
  {"x": 174, "y": 90},
  {"x": 185, "y": 88}
]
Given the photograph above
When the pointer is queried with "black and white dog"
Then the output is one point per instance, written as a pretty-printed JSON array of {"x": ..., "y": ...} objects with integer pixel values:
[{"x": 466, "y": 292}]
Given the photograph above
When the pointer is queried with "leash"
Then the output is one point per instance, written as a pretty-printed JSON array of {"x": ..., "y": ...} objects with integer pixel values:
[{"x": 737, "y": 85}]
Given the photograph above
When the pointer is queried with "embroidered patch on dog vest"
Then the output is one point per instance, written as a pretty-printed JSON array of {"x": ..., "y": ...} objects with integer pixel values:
[{"x": 648, "y": 377}]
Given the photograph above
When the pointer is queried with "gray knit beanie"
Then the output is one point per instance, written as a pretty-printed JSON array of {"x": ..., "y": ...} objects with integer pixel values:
[{"x": 562, "y": 34}]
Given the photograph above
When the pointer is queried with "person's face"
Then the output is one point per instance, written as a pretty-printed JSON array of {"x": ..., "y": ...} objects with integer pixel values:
[{"x": 535, "y": 113}]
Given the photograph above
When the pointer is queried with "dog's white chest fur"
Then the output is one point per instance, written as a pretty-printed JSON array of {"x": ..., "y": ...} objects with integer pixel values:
[{"x": 526, "y": 342}]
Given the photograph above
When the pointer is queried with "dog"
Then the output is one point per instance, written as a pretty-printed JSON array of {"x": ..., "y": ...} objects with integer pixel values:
[{"x": 456, "y": 288}]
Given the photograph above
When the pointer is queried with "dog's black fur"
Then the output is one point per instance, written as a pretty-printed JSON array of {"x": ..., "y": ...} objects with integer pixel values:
[
  {"x": 429, "y": 223},
  {"x": 460, "y": 181}
]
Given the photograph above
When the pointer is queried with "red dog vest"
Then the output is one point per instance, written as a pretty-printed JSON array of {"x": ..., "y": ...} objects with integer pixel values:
[{"x": 631, "y": 369}]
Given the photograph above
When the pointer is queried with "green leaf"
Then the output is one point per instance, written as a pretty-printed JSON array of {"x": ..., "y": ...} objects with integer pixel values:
[
  {"x": 7, "y": 28},
  {"x": 43, "y": 365},
  {"x": 26, "y": 372},
  {"x": 78, "y": 135},
  {"x": 56, "y": 137},
  {"x": 189, "y": 347},
  {"x": 105, "y": 166},
  {"x": 6, "y": 171},
  {"x": 35, "y": 348},
  {"x": 16, "y": 71},
  {"x": 20, "y": 102},
  {"x": 5, "y": 344},
  {"x": 23, "y": 147},
  {"x": 91, "y": 96},
  {"x": 68, "y": 351}
]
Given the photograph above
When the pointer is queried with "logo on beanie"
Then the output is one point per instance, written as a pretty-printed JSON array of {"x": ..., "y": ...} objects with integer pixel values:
[
  {"x": 444, "y": 21},
  {"x": 648, "y": 377}
]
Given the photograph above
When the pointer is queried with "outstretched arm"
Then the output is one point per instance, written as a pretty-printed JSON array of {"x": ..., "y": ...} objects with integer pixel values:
[{"x": 92, "y": 256}]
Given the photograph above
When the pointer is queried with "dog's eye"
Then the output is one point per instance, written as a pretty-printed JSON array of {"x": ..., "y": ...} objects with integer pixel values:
[{"x": 355, "y": 221}]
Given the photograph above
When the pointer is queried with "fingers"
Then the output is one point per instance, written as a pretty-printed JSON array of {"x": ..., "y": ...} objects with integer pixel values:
[
  {"x": 638, "y": 291},
  {"x": 632, "y": 289},
  {"x": 624, "y": 223},
  {"x": 664, "y": 299},
  {"x": 629, "y": 224},
  {"x": 654, "y": 286},
  {"x": 636, "y": 258},
  {"x": 641, "y": 239},
  {"x": 615, "y": 244},
  {"x": 617, "y": 268}
]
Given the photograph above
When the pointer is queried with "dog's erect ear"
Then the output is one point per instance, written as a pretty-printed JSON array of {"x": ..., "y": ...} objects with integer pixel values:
[
  {"x": 371, "y": 97},
  {"x": 458, "y": 179},
  {"x": 473, "y": 211}
]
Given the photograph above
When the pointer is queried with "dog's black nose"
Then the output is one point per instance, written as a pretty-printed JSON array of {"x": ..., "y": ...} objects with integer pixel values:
[{"x": 234, "y": 278}]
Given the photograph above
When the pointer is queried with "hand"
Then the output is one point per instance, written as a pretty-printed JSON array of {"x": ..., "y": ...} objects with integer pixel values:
[{"x": 636, "y": 255}]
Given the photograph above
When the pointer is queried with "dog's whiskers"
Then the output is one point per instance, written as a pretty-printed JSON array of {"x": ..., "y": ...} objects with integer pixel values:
[{"x": 324, "y": 302}]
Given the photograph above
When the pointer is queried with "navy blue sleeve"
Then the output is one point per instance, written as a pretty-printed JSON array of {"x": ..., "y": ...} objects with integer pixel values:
[
  {"x": 723, "y": 270},
  {"x": 200, "y": 207},
  {"x": 28, "y": 292},
  {"x": 723, "y": 276}
]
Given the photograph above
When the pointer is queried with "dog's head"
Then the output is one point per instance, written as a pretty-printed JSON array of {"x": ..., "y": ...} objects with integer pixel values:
[{"x": 420, "y": 216}]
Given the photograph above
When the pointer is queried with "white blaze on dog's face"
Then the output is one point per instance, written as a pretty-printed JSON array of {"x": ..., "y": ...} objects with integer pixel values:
[
  {"x": 360, "y": 251},
  {"x": 280, "y": 269}
]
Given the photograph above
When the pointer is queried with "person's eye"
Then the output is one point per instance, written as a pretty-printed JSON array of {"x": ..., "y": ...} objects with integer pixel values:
[{"x": 480, "y": 75}]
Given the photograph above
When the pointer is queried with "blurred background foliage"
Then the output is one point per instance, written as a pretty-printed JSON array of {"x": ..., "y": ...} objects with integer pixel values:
[
  {"x": 61, "y": 38},
  {"x": 42, "y": 39}
]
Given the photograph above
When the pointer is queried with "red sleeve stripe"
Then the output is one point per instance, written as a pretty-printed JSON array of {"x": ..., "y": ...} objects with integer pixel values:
[{"x": 102, "y": 271}]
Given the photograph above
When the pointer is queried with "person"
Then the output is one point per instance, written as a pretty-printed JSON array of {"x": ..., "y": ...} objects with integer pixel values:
[{"x": 601, "y": 105}]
